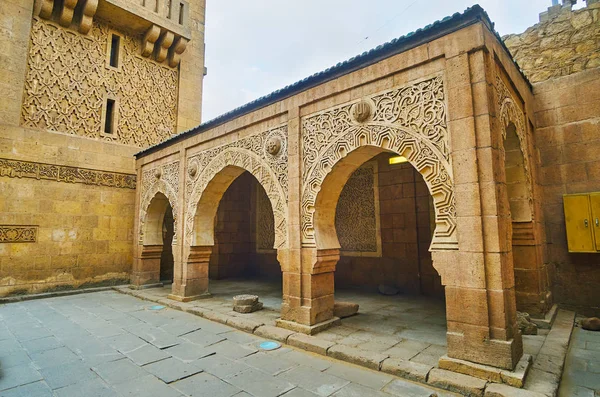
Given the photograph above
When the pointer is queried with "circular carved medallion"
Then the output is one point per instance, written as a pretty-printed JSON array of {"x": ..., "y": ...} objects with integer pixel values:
[
  {"x": 193, "y": 169},
  {"x": 273, "y": 145},
  {"x": 158, "y": 173},
  {"x": 361, "y": 111}
]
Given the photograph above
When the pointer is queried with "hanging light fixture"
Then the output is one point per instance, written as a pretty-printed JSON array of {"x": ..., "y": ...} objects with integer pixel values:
[{"x": 398, "y": 160}]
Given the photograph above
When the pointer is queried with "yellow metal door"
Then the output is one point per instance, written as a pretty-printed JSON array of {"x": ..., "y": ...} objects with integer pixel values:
[
  {"x": 580, "y": 235},
  {"x": 595, "y": 221}
]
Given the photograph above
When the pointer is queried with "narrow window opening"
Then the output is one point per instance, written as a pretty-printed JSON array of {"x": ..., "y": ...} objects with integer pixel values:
[
  {"x": 114, "y": 50},
  {"x": 170, "y": 5},
  {"x": 110, "y": 116},
  {"x": 181, "y": 13}
]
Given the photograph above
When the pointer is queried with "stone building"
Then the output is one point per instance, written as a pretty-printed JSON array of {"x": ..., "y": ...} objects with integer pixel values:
[
  {"x": 86, "y": 84},
  {"x": 435, "y": 164}
]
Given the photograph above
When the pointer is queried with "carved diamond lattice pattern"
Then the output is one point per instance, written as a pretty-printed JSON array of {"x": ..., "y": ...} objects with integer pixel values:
[
  {"x": 68, "y": 81},
  {"x": 410, "y": 121}
]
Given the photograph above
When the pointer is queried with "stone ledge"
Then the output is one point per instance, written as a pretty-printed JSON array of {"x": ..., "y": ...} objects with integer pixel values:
[
  {"x": 548, "y": 320},
  {"x": 500, "y": 390},
  {"x": 459, "y": 383},
  {"x": 356, "y": 356},
  {"x": 310, "y": 343},
  {"x": 406, "y": 369},
  {"x": 275, "y": 333},
  {"x": 44, "y": 295},
  {"x": 307, "y": 329},
  {"x": 514, "y": 378},
  {"x": 243, "y": 323},
  {"x": 188, "y": 298}
]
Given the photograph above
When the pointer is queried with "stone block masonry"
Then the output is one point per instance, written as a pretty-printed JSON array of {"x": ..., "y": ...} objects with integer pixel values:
[{"x": 564, "y": 42}]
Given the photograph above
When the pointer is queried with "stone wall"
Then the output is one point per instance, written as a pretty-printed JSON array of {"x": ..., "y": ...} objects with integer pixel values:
[
  {"x": 237, "y": 252},
  {"x": 66, "y": 187},
  {"x": 565, "y": 41},
  {"x": 568, "y": 140},
  {"x": 404, "y": 230},
  {"x": 79, "y": 196}
]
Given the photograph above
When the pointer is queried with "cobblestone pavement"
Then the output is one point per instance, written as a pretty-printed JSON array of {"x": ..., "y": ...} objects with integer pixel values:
[
  {"x": 581, "y": 377},
  {"x": 109, "y": 344}
]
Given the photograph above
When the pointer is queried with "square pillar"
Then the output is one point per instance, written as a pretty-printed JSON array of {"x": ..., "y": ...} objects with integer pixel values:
[
  {"x": 146, "y": 267},
  {"x": 308, "y": 292},
  {"x": 191, "y": 280}
]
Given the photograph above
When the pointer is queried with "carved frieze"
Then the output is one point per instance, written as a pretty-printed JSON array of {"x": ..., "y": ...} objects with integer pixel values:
[
  {"x": 68, "y": 83},
  {"x": 410, "y": 120},
  {"x": 62, "y": 173},
  {"x": 18, "y": 234},
  {"x": 264, "y": 155},
  {"x": 159, "y": 179}
]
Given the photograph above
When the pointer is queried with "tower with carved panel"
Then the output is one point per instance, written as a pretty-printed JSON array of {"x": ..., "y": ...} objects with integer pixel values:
[{"x": 86, "y": 84}]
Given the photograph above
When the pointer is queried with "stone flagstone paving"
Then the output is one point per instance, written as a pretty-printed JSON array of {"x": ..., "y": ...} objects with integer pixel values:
[{"x": 110, "y": 344}]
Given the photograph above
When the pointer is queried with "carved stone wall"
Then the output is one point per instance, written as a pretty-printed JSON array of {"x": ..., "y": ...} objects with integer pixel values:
[
  {"x": 264, "y": 155},
  {"x": 510, "y": 112},
  {"x": 68, "y": 83},
  {"x": 411, "y": 121},
  {"x": 163, "y": 179},
  {"x": 265, "y": 223},
  {"x": 357, "y": 213}
]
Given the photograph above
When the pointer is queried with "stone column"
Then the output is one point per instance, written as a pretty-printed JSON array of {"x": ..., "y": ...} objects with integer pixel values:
[
  {"x": 479, "y": 278},
  {"x": 192, "y": 282},
  {"x": 146, "y": 269}
]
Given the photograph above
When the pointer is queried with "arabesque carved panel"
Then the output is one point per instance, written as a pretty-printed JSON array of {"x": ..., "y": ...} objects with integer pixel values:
[
  {"x": 18, "y": 234},
  {"x": 357, "y": 212},
  {"x": 63, "y": 173},
  {"x": 68, "y": 82},
  {"x": 163, "y": 179},
  {"x": 410, "y": 121},
  {"x": 264, "y": 155}
]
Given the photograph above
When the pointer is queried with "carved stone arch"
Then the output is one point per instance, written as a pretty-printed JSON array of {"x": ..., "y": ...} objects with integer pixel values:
[
  {"x": 162, "y": 188},
  {"x": 512, "y": 121},
  {"x": 409, "y": 121},
  {"x": 212, "y": 182},
  {"x": 162, "y": 179}
]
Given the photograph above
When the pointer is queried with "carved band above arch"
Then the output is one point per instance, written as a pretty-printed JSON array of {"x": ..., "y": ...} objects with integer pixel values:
[
  {"x": 161, "y": 179},
  {"x": 255, "y": 154},
  {"x": 410, "y": 121}
]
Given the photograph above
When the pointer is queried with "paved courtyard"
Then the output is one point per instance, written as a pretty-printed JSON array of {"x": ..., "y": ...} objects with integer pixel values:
[
  {"x": 581, "y": 377},
  {"x": 110, "y": 344}
]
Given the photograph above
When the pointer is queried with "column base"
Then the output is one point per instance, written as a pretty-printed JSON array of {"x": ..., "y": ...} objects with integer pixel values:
[
  {"x": 308, "y": 329},
  {"x": 189, "y": 298},
  {"x": 515, "y": 378}
]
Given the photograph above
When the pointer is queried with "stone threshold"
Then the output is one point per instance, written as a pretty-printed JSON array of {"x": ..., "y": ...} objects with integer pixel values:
[
  {"x": 426, "y": 374},
  {"x": 54, "y": 294}
]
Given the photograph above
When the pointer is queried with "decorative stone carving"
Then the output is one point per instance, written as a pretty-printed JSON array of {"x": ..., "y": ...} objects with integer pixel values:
[
  {"x": 61, "y": 173},
  {"x": 166, "y": 183},
  {"x": 88, "y": 11},
  {"x": 361, "y": 111},
  {"x": 265, "y": 226},
  {"x": 178, "y": 47},
  {"x": 18, "y": 234},
  {"x": 510, "y": 112},
  {"x": 149, "y": 39},
  {"x": 146, "y": 91},
  {"x": 248, "y": 154},
  {"x": 410, "y": 121},
  {"x": 356, "y": 215}
]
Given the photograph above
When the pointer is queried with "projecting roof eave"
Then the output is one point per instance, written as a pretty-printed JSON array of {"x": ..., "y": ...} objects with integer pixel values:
[{"x": 411, "y": 40}]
